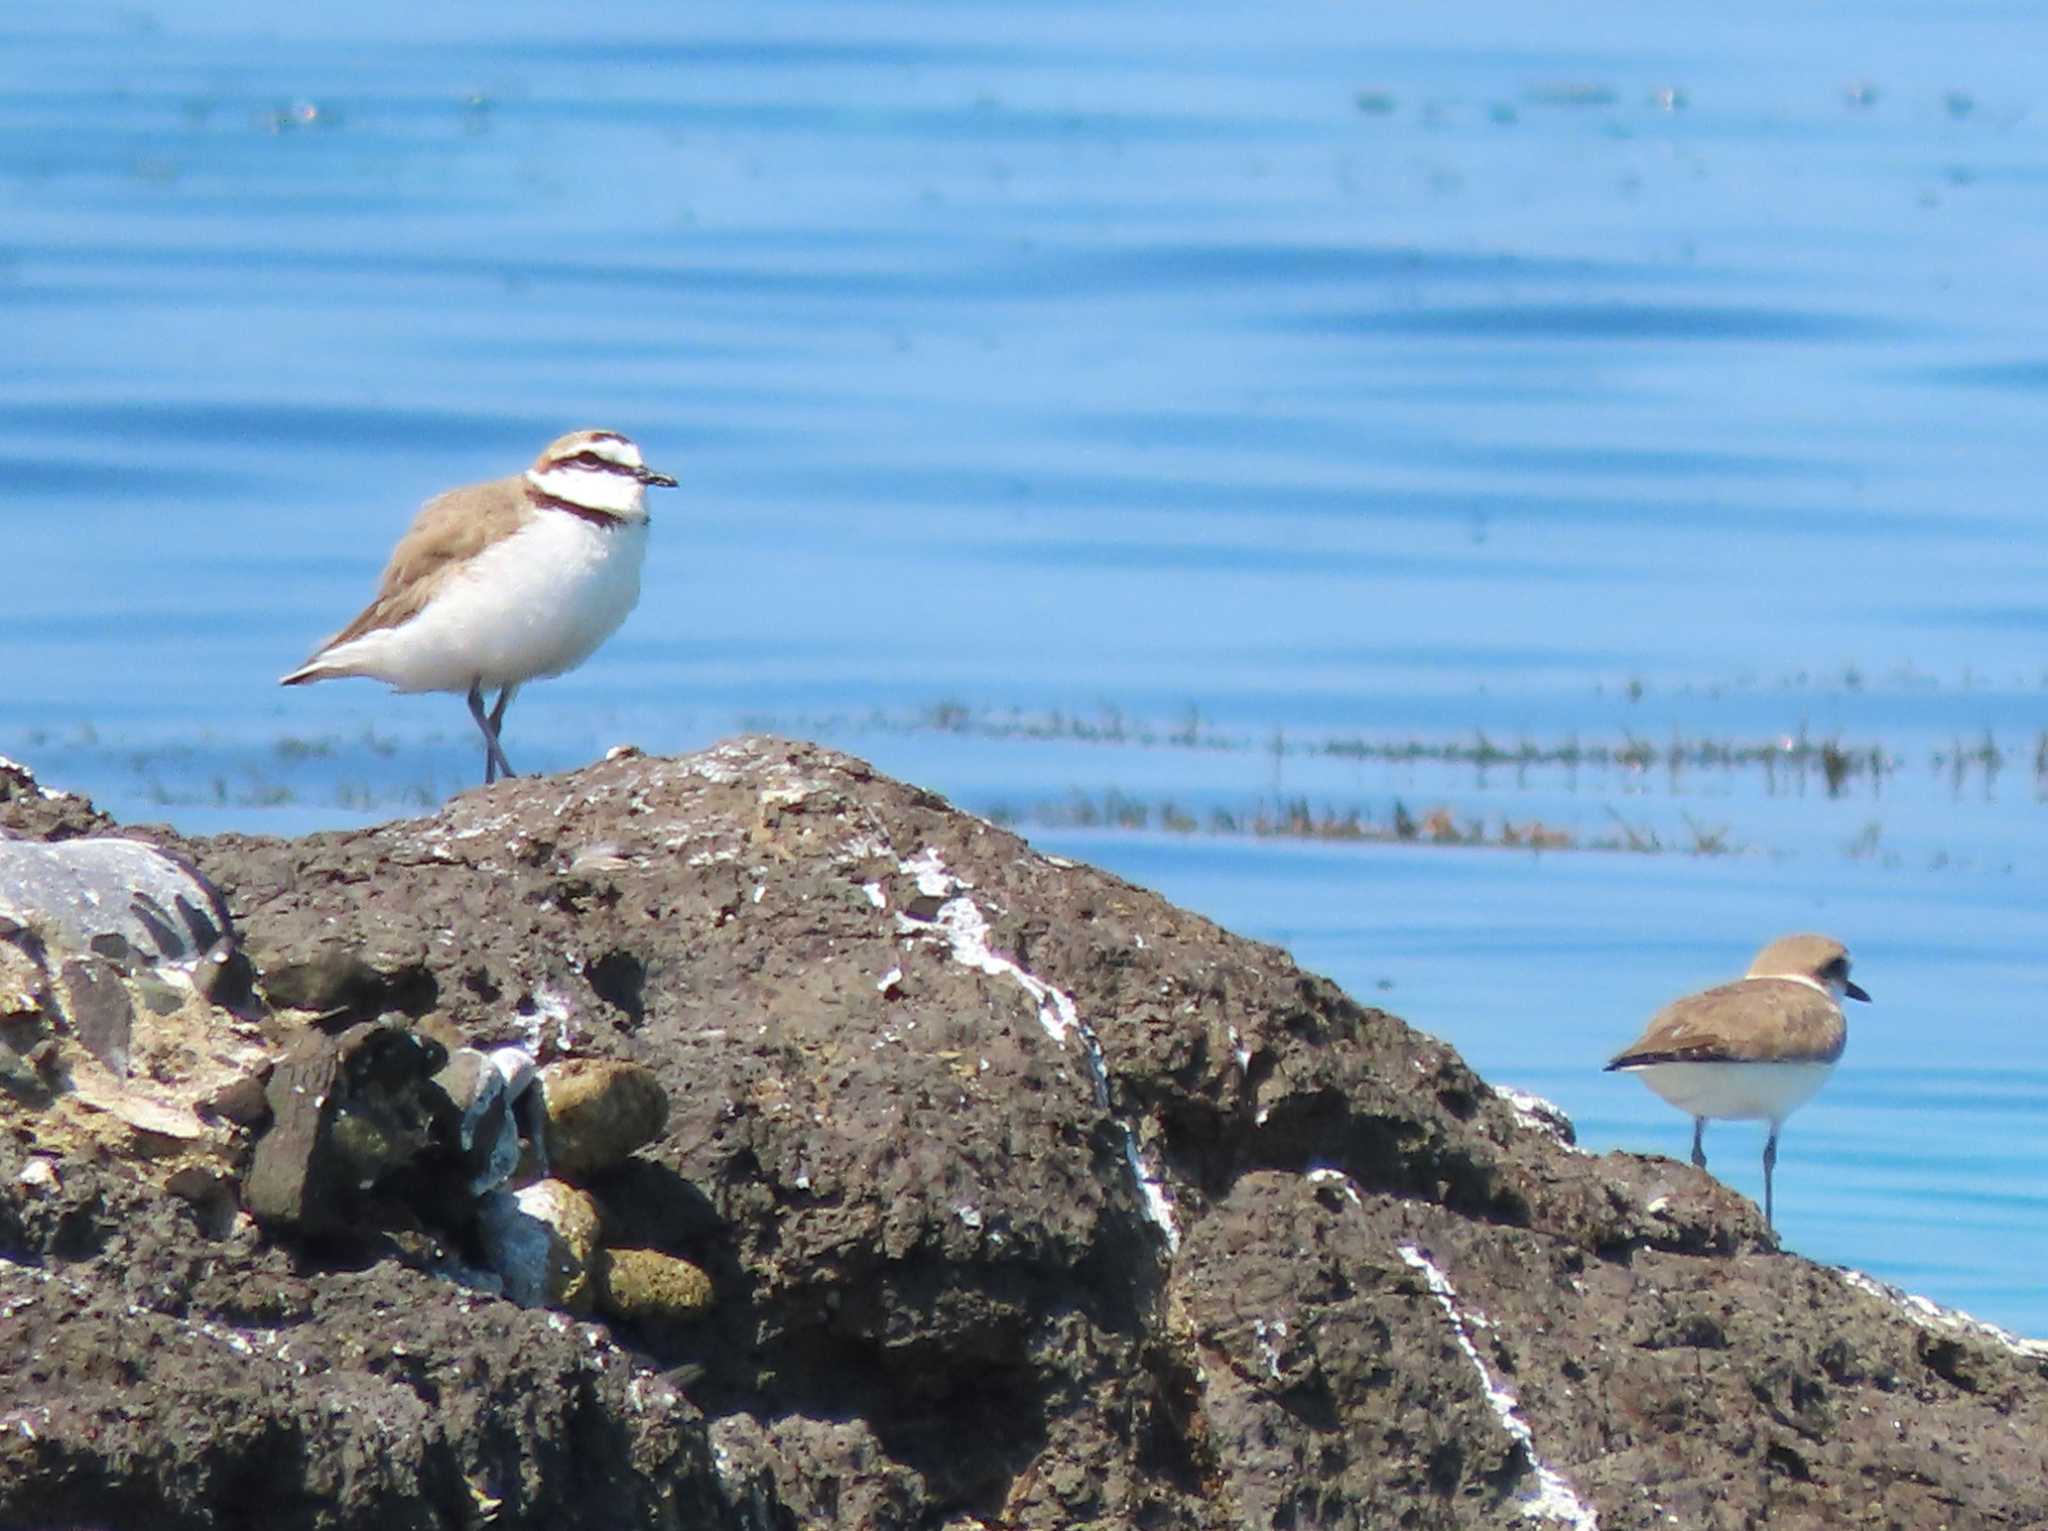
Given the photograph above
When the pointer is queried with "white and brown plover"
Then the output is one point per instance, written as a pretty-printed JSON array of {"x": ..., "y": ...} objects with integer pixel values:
[
  {"x": 498, "y": 584},
  {"x": 1753, "y": 1050}
]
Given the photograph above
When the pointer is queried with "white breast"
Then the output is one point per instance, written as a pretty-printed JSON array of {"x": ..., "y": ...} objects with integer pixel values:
[
  {"x": 1760, "y": 1091},
  {"x": 534, "y": 605}
]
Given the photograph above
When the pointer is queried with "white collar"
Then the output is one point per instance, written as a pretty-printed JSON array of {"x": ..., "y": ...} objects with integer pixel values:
[{"x": 1811, "y": 983}]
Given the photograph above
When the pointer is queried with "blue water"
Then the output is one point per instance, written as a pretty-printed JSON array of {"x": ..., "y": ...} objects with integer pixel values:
[
  {"x": 1917, "y": 1160},
  {"x": 1587, "y": 375}
]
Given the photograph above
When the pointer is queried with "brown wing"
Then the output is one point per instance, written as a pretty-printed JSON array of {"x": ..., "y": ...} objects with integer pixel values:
[
  {"x": 1757, "y": 1019},
  {"x": 450, "y": 529}
]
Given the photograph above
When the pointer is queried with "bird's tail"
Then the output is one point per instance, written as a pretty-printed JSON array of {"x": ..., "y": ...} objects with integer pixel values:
[{"x": 316, "y": 668}]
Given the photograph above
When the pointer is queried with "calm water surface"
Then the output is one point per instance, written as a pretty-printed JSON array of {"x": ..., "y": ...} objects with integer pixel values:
[{"x": 1137, "y": 414}]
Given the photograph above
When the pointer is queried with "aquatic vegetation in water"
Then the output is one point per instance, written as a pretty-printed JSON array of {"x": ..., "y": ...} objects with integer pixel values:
[
  {"x": 1633, "y": 789},
  {"x": 1787, "y": 761},
  {"x": 1298, "y": 818}
]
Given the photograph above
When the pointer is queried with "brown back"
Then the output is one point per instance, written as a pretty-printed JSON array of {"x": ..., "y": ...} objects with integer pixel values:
[
  {"x": 1757, "y": 1020},
  {"x": 450, "y": 529}
]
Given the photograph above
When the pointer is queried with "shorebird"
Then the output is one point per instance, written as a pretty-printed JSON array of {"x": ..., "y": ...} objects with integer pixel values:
[
  {"x": 1753, "y": 1050},
  {"x": 501, "y": 583}
]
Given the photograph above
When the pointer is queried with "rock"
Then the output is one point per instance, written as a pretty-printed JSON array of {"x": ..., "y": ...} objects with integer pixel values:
[
  {"x": 24, "y": 981},
  {"x": 346, "y": 1112},
  {"x": 1094, "y": 1214},
  {"x": 543, "y": 1240},
  {"x": 241, "y": 1098},
  {"x": 827, "y": 1472},
  {"x": 647, "y": 1284},
  {"x": 124, "y": 925},
  {"x": 599, "y": 1111},
  {"x": 487, "y": 1130},
  {"x": 114, "y": 958},
  {"x": 102, "y": 1016},
  {"x": 32, "y": 811},
  {"x": 225, "y": 975},
  {"x": 519, "y": 1070},
  {"x": 150, "y": 1119},
  {"x": 25, "y": 1073},
  {"x": 124, "y": 900},
  {"x": 338, "y": 981},
  {"x": 211, "y": 1194}
]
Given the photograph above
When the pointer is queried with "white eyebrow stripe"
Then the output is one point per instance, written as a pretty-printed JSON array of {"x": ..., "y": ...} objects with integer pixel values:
[{"x": 616, "y": 449}]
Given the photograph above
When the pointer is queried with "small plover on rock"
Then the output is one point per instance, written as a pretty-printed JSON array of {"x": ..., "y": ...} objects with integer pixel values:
[
  {"x": 501, "y": 583},
  {"x": 1753, "y": 1050}
]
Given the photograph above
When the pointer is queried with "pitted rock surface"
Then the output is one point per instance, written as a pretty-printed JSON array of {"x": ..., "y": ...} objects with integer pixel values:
[{"x": 1028, "y": 1200}]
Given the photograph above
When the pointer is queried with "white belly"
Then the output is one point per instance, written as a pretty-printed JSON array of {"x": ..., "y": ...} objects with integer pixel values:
[
  {"x": 1767, "y": 1092},
  {"x": 535, "y": 605}
]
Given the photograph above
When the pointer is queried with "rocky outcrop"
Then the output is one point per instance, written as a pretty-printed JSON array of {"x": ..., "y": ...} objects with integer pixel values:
[{"x": 1018, "y": 1198}]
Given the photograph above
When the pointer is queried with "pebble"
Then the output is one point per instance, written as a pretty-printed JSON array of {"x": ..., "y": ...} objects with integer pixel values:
[
  {"x": 599, "y": 1110},
  {"x": 645, "y": 1283},
  {"x": 487, "y": 1132},
  {"x": 543, "y": 1240}
]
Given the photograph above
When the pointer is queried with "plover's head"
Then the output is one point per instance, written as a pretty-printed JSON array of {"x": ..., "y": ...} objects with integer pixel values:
[
  {"x": 597, "y": 470},
  {"x": 1819, "y": 960}
]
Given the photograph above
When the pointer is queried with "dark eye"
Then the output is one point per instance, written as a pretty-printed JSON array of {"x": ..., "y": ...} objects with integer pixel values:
[{"x": 590, "y": 459}]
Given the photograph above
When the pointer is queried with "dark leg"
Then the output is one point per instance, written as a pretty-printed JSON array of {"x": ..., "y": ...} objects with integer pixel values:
[
  {"x": 1770, "y": 1163},
  {"x": 494, "y": 758},
  {"x": 497, "y": 727},
  {"x": 1699, "y": 1154}
]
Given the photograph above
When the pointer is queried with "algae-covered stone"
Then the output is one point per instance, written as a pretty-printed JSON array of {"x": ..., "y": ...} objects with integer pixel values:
[
  {"x": 599, "y": 1110},
  {"x": 346, "y": 1112},
  {"x": 332, "y": 980},
  {"x": 645, "y": 1283},
  {"x": 543, "y": 1239}
]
